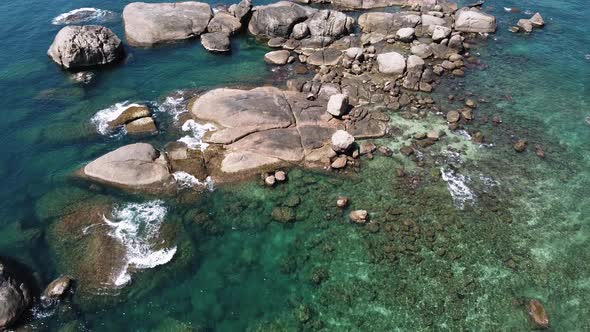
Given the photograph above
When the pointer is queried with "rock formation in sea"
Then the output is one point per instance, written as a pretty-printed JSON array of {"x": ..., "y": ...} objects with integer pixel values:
[{"x": 15, "y": 296}]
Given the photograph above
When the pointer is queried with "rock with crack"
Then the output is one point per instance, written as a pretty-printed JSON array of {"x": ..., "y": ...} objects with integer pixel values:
[
  {"x": 76, "y": 47},
  {"x": 148, "y": 24}
]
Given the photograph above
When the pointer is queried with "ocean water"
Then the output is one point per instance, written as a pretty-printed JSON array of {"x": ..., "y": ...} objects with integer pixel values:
[{"x": 458, "y": 245}]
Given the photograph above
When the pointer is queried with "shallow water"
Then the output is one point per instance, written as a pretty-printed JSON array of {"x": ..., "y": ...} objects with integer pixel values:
[{"x": 433, "y": 262}]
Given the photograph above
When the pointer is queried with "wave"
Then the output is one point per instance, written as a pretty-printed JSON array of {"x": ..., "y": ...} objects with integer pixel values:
[
  {"x": 136, "y": 226},
  {"x": 102, "y": 118},
  {"x": 84, "y": 15},
  {"x": 457, "y": 186},
  {"x": 197, "y": 132},
  {"x": 186, "y": 180}
]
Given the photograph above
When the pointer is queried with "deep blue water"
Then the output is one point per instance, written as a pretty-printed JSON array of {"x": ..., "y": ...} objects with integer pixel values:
[{"x": 235, "y": 269}]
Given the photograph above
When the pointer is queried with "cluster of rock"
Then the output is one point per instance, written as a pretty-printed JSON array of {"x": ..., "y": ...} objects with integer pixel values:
[
  {"x": 527, "y": 25},
  {"x": 136, "y": 119}
]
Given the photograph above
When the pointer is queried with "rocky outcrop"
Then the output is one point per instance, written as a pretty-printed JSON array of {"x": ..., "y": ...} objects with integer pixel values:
[
  {"x": 148, "y": 24},
  {"x": 474, "y": 20},
  {"x": 217, "y": 42},
  {"x": 134, "y": 166},
  {"x": 15, "y": 297},
  {"x": 76, "y": 47}
]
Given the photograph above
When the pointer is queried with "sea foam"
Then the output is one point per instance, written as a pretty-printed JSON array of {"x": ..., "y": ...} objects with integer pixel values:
[
  {"x": 457, "y": 186},
  {"x": 197, "y": 132},
  {"x": 81, "y": 15},
  {"x": 186, "y": 180},
  {"x": 102, "y": 118},
  {"x": 136, "y": 226}
]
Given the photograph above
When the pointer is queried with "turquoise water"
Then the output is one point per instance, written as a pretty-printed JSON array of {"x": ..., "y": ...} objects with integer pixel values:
[{"x": 425, "y": 264}]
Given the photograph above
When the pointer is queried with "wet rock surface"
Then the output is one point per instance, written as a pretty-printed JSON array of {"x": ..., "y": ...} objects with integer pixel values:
[{"x": 15, "y": 296}]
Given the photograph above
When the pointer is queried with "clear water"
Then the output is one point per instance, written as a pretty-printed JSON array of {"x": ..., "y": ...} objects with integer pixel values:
[{"x": 237, "y": 269}]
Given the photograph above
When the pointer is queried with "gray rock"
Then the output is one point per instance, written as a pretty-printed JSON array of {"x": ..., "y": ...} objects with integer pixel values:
[
  {"x": 474, "y": 20},
  {"x": 387, "y": 23},
  {"x": 456, "y": 42},
  {"x": 329, "y": 23},
  {"x": 405, "y": 35},
  {"x": 537, "y": 21},
  {"x": 76, "y": 47},
  {"x": 429, "y": 20},
  {"x": 325, "y": 57},
  {"x": 415, "y": 65},
  {"x": 440, "y": 32},
  {"x": 342, "y": 141},
  {"x": 56, "y": 289},
  {"x": 525, "y": 25},
  {"x": 224, "y": 22},
  {"x": 131, "y": 113},
  {"x": 300, "y": 31},
  {"x": 242, "y": 10},
  {"x": 422, "y": 50},
  {"x": 338, "y": 105},
  {"x": 216, "y": 42},
  {"x": 147, "y": 24},
  {"x": 15, "y": 297},
  {"x": 277, "y": 57},
  {"x": 133, "y": 166},
  {"x": 277, "y": 20},
  {"x": 391, "y": 63}
]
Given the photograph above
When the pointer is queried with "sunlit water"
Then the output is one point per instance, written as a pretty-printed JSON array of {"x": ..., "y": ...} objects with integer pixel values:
[{"x": 450, "y": 252}]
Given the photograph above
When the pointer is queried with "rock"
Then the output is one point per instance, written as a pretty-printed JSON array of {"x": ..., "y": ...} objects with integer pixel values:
[
  {"x": 283, "y": 214},
  {"x": 280, "y": 176},
  {"x": 413, "y": 73},
  {"x": 539, "y": 151},
  {"x": 300, "y": 31},
  {"x": 242, "y": 10},
  {"x": 520, "y": 145},
  {"x": 525, "y": 25},
  {"x": 325, "y": 57},
  {"x": 277, "y": 57},
  {"x": 342, "y": 202},
  {"x": 134, "y": 166},
  {"x": 448, "y": 65},
  {"x": 433, "y": 135},
  {"x": 56, "y": 289},
  {"x": 367, "y": 147},
  {"x": 387, "y": 23},
  {"x": 342, "y": 141},
  {"x": 431, "y": 21},
  {"x": 537, "y": 314},
  {"x": 338, "y": 105},
  {"x": 278, "y": 19},
  {"x": 329, "y": 23},
  {"x": 422, "y": 50},
  {"x": 474, "y": 20},
  {"x": 359, "y": 216},
  {"x": 216, "y": 42},
  {"x": 270, "y": 180},
  {"x": 76, "y": 47},
  {"x": 391, "y": 63},
  {"x": 453, "y": 116},
  {"x": 456, "y": 42},
  {"x": 405, "y": 35},
  {"x": 470, "y": 103},
  {"x": 537, "y": 20},
  {"x": 131, "y": 113},
  {"x": 141, "y": 126},
  {"x": 224, "y": 22},
  {"x": 339, "y": 162},
  {"x": 276, "y": 42},
  {"x": 15, "y": 297},
  {"x": 148, "y": 24},
  {"x": 440, "y": 32}
]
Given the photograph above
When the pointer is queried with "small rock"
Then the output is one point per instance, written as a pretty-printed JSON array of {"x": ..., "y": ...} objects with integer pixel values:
[
  {"x": 539, "y": 151},
  {"x": 338, "y": 105},
  {"x": 537, "y": 314},
  {"x": 277, "y": 57},
  {"x": 142, "y": 126},
  {"x": 440, "y": 32},
  {"x": 342, "y": 202},
  {"x": 399, "y": 172},
  {"x": 56, "y": 289},
  {"x": 514, "y": 29},
  {"x": 537, "y": 20},
  {"x": 283, "y": 214},
  {"x": 470, "y": 103},
  {"x": 406, "y": 150},
  {"x": 339, "y": 163},
  {"x": 359, "y": 216},
  {"x": 405, "y": 35},
  {"x": 270, "y": 180},
  {"x": 433, "y": 135},
  {"x": 520, "y": 145},
  {"x": 280, "y": 176},
  {"x": 342, "y": 141},
  {"x": 367, "y": 147},
  {"x": 525, "y": 25},
  {"x": 453, "y": 117}
]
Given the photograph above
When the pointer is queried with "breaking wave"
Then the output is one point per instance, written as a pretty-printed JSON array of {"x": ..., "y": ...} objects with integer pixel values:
[
  {"x": 102, "y": 118},
  {"x": 84, "y": 15},
  {"x": 186, "y": 180},
  {"x": 197, "y": 132},
  {"x": 457, "y": 186}
]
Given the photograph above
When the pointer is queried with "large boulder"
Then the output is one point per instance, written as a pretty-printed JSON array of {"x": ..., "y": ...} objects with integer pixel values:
[
  {"x": 15, "y": 297},
  {"x": 147, "y": 24},
  {"x": 330, "y": 23},
  {"x": 279, "y": 57},
  {"x": 337, "y": 105},
  {"x": 241, "y": 10},
  {"x": 76, "y": 47},
  {"x": 391, "y": 63},
  {"x": 474, "y": 20},
  {"x": 277, "y": 20},
  {"x": 387, "y": 23},
  {"x": 224, "y": 22},
  {"x": 133, "y": 166},
  {"x": 217, "y": 42}
]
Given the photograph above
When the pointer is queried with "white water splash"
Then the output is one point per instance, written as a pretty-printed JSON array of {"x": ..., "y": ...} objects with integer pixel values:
[
  {"x": 186, "y": 180},
  {"x": 197, "y": 132},
  {"x": 84, "y": 15},
  {"x": 136, "y": 226},
  {"x": 174, "y": 105},
  {"x": 457, "y": 186},
  {"x": 102, "y": 118}
]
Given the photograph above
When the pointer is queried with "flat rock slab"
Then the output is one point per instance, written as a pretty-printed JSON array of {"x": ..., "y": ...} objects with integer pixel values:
[{"x": 148, "y": 24}]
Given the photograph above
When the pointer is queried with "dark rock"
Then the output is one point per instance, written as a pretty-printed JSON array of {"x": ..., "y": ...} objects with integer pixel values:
[
  {"x": 520, "y": 145},
  {"x": 537, "y": 314},
  {"x": 283, "y": 214}
]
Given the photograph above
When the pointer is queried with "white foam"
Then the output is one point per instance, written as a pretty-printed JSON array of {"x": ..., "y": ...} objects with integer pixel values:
[
  {"x": 136, "y": 226},
  {"x": 457, "y": 186},
  {"x": 102, "y": 118},
  {"x": 488, "y": 181},
  {"x": 174, "y": 105},
  {"x": 83, "y": 15},
  {"x": 186, "y": 180},
  {"x": 197, "y": 132}
]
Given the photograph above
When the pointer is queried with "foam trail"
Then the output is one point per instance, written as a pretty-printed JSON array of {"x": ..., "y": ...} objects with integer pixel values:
[
  {"x": 84, "y": 15},
  {"x": 136, "y": 226},
  {"x": 198, "y": 131},
  {"x": 174, "y": 104},
  {"x": 457, "y": 186}
]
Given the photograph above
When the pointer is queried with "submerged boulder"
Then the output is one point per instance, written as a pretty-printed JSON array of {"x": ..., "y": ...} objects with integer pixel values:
[
  {"x": 132, "y": 166},
  {"x": 76, "y": 47},
  {"x": 15, "y": 297},
  {"x": 147, "y": 24},
  {"x": 474, "y": 20}
]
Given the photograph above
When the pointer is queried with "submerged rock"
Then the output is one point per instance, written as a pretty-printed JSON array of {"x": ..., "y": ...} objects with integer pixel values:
[
  {"x": 147, "y": 24},
  {"x": 56, "y": 289},
  {"x": 133, "y": 166},
  {"x": 359, "y": 216},
  {"x": 76, "y": 47},
  {"x": 474, "y": 20},
  {"x": 537, "y": 314},
  {"x": 520, "y": 145},
  {"x": 15, "y": 297}
]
